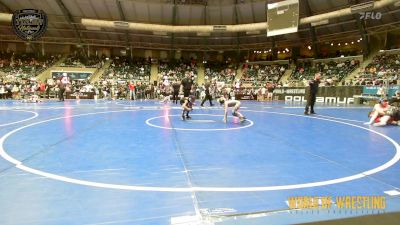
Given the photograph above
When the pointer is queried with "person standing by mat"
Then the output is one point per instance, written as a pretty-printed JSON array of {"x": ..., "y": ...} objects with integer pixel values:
[
  {"x": 62, "y": 85},
  {"x": 235, "y": 104},
  {"x": 312, "y": 95},
  {"x": 176, "y": 85},
  {"x": 187, "y": 106},
  {"x": 186, "y": 85},
  {"x": 208, "y": 96}
]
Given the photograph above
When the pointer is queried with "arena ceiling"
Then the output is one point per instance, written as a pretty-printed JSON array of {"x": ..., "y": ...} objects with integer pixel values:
[{"x": 65, "y": 22}]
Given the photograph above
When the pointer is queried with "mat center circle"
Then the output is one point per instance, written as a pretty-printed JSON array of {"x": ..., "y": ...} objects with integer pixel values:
[{"x": 198, "y": 122}]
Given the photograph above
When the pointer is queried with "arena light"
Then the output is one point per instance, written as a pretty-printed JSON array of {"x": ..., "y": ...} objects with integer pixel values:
[
  {"x": 160, "y": 33},
  {"x": 279, "y": 52},
  {"x": 5, "y": 17},
  {"x": 319, "y": 23},
  {"x": 121, "y": 24},
  {"x": 352, "y": 42},
  {"x": 272, "y": 5},
  {"x": 287, "y": 49},
  {"x": 219, "y": 28},
  {"x": 332, "y": 44},
  {"x": 338, "y": 44},
  {"x": 358, "y": 41},
  {"x": 93, "y": 28},
  {"x": 203, "y": 34},
  {"x": 362, "y": 7},
  {"x": 309, "y": 47},
  {"x": 346, "y": 43},
  {"x": 253, "y": 32}
]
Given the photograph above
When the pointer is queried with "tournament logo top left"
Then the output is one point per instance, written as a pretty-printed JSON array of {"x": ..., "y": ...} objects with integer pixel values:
[{"x": 29, "y": 24}]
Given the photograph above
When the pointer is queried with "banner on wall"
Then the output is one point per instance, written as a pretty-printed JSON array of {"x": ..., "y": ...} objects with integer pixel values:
[
  {"x": 338, "y": 95},
  {"x": 72, "y": 75},
  {"x": 374, "y": 90}
]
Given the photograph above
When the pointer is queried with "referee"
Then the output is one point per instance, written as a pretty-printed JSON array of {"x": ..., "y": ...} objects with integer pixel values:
[
  {"x": 312, "y": 95},
  {"x": 208, "y": 94},
  {"x": 186, "y": 85}
]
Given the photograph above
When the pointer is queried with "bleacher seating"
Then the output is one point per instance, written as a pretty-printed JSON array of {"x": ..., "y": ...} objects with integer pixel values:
[
  {"x": 332, "y": 72},
  {"x": 383, "y": 69},
  {"x": 80, "y": 61},
  {"x": 123, "y": 69},
  {"x": 176, "y": 69},
  {"x": 263, "y": 73},
  {"x": 224, "y": 72}
]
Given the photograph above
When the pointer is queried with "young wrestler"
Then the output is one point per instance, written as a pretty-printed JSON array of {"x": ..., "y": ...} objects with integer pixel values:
[
  {"x": 187, "y": 106},
  {"x": 235, "y": 104},
  {"x": 32, "y": 99},
  {"x": 378, "y": 116}
]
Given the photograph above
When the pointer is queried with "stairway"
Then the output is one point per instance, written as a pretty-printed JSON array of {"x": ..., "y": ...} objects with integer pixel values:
[
  {"x": 239, "y": 72},
  {"x": 357, "y": 70},
  {"x": 99, "y": 73},
  {"x": 45, "y": 74},
  {"x": 200, "y": 74},
  {"x": 153, "y": 73},
  {"x": 285, "y": 77}
]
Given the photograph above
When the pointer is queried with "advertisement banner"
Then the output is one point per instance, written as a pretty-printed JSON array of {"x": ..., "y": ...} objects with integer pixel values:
[{"x": 339, "y": 95}]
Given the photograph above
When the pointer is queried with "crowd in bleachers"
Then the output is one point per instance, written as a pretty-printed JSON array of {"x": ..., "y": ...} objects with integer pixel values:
[
  {"x": 384, "y": 69},
  {"x": 126, "y": 76},
  {"x": 75, "y": 60},
  {"x": 123, "y": 69},
  {"x": 121, "y": 90},
  {"x": 170, "y": 70},
  {"x": 331, "y": 72},
  {"x": 24, "y": 66},
  {"x": 18, "y": 71},
  {"x": 221, "y": 71},
  {"x": 263, "y": 73}
]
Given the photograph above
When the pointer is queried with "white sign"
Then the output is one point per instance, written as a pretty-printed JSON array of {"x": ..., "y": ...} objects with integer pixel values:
[{"x": 338, "y": 100}]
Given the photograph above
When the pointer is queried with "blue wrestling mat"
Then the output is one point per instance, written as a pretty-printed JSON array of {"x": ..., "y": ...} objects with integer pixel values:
[{"x": 138, "y": 163}]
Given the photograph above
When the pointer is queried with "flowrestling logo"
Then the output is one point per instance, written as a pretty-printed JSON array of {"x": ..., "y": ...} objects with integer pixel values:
[
  {"x": 29, "y": 24},
  {"x": 370, "y": 15}
]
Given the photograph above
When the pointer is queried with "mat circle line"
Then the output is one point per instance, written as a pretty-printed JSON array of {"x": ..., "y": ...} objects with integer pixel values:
[
  {"x": 251, "y": 123},
  {"x": 35, "y": 114},
  {"x": 20, "y": 165}
]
